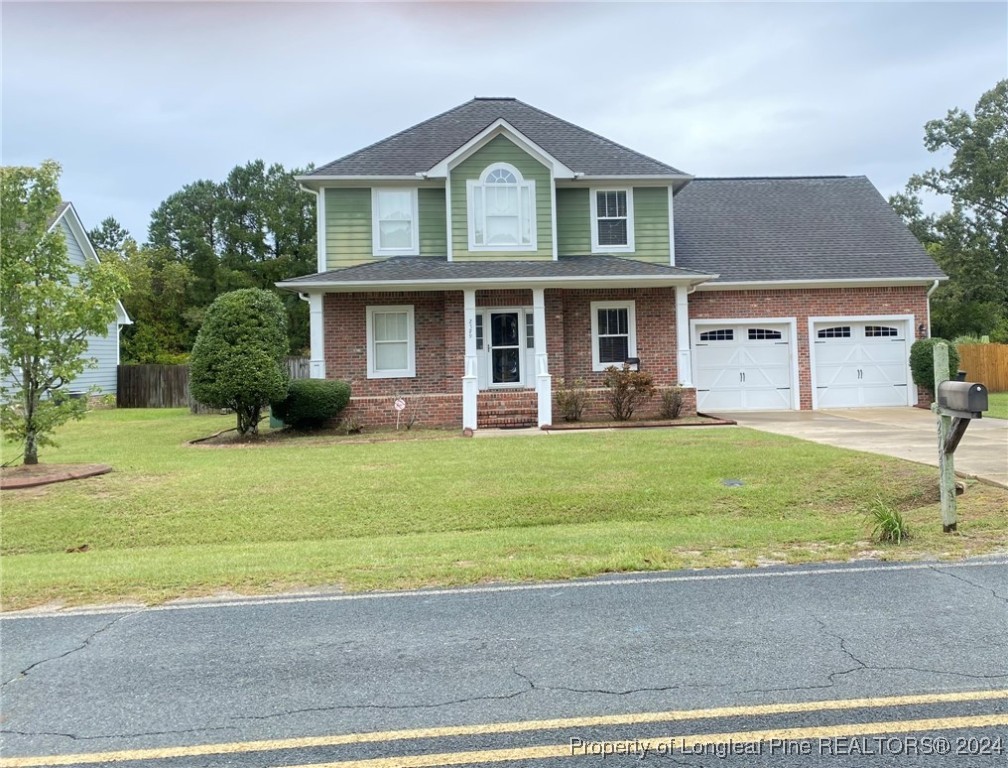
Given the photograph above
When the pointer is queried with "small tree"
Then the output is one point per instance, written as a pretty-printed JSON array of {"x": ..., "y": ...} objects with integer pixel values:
[
  {"x": 49, "y": 307},
  {"x": 237, "y": 360}
]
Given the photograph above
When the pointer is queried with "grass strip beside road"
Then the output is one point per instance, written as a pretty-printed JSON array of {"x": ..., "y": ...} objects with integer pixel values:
[
  {"x": 998, "y": 402},
  {"x": 179, "y": 520}
]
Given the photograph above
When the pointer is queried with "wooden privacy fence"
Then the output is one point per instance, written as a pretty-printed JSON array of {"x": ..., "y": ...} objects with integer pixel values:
[
  {"x": 167, "y": 386},
  {"x": 985, "y": 363}
]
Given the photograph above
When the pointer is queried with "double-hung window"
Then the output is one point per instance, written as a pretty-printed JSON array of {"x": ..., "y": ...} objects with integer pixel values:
[
  {"x": 395, "y": 221},
  {"x": 614, "y": 333},
  {"x": 612, "y": 220},
  {"x": 391, "y": 348},
  {"x": 501, "y": 210}
]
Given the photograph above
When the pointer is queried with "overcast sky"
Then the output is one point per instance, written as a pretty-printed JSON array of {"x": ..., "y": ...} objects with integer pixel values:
[{"x": 138, "y": 99}]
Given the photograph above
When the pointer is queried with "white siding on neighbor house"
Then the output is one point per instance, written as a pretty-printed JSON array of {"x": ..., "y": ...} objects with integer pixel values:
[{"x": 104, "y": 348}]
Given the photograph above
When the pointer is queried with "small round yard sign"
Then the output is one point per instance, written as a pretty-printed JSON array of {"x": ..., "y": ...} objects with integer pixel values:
[{"x": 400, "y": 404}]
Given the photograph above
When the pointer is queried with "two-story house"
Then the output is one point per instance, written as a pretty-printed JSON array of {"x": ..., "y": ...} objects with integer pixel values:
[{"x": 467, "y": 262}]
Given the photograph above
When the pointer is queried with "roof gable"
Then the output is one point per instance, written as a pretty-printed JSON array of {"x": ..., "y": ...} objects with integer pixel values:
[
  {"x": 424, "y": 146},
  {"x": 66, "y": 212}
]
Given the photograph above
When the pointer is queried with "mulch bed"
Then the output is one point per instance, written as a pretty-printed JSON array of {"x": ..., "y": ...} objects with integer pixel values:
[
  {"x": 700, "y": 420},
  {"x": 30, "y": 476}
]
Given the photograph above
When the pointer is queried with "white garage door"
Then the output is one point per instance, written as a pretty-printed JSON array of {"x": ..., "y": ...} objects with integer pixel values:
[
  {"x": 860, "y": 364},
  {"x": 741, "y": 367}
]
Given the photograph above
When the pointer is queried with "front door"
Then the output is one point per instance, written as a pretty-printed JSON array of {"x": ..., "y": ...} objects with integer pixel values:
[{"x": 505, "y": 348}]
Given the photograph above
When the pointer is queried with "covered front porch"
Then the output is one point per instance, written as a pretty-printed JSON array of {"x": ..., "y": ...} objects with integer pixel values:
[{"x": 481, "y": 344}]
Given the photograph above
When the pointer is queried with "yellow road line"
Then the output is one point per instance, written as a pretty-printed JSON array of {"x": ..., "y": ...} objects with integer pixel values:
[
  {"x": 679, "y": 742},
  {"x": 307, "y": 742}
]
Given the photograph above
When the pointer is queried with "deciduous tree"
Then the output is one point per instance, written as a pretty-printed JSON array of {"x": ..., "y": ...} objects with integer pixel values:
[{"x": 49, "y": 307}]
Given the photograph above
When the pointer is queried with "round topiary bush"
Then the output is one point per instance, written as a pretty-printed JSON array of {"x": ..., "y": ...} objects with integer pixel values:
[
  {"x": 237, "y": 360},
  {"x": 311, "y": 402},
  {"x": 922, "y": 361}
]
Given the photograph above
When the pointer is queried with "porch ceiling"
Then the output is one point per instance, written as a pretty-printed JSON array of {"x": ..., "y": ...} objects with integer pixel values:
[{"x": 417, "y": 273}]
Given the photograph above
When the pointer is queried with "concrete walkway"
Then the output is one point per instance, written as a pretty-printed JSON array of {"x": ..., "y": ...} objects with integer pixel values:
[{"x": 907, "y": 433}]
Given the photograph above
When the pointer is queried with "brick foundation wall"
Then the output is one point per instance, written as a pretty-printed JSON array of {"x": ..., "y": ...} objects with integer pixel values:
[
  {"x": 430, "y": 410},
  {"x": 804, "y": 303},
  {"x": 597, "y": 407}
]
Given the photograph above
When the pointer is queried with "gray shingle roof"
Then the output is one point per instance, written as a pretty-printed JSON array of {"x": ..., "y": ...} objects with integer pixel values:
[
  {"x": 768, "y": 229},
  {"x": 421, "y": 147},
  {"x": 416, "y": 269}
]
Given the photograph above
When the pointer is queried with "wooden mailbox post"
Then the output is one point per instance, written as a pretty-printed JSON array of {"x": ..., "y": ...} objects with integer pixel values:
[{"x": 956, "y": 404}]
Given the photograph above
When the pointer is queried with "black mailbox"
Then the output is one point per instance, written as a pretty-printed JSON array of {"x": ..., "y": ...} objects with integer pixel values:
[{"x": 963, "y": 396}]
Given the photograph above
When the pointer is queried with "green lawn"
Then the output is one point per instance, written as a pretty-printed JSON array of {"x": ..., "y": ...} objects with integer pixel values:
[
  {"x": 998, "y": 402},
  {"x": 175, "y": 519}
]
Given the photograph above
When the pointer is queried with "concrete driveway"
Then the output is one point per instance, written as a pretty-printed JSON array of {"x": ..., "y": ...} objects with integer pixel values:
[{"x": 907, "y": 433}]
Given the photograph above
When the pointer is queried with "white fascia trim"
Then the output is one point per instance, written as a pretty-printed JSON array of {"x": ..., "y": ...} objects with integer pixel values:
[
  {"x": 593, "y": 202},
  {"x": 307, "y": 180},
  {"x": 414, "y": 249},
  {"x": 908, "y": 338},
  {"x": 659, "y": 179},
  {"x": 497, "y": 128},
  {"x": 84, "y": 242},
  {"x": 840, "y": 283},
  {"x": 607, "y": 281},
  {"x": 671, "y": 226},
  {"x": 321, "y": 244}
]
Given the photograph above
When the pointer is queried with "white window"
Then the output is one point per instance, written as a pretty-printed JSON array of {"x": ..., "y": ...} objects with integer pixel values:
[
  {"x": 501, "y": 210},
  {"x": 395, "y": 221},
  {"x": 391, "y": 349},
  {"x": 612, "y": 220},
  {"x": 614, "y": 333}
]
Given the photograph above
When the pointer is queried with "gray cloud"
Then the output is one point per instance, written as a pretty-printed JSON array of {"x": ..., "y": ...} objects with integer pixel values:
[{"x": 138, "y": 99}]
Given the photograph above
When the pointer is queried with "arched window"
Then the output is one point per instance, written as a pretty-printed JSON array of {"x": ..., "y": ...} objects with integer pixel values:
[{"x": 501, "y": 210}]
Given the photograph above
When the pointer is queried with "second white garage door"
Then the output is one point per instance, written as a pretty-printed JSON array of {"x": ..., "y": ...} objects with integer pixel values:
[
  {"x": 742, "y": 366},
  {"x": 859, "y": 364}
]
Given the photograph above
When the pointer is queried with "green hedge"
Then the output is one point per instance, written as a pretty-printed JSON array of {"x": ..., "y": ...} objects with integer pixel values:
[
  {"x": 922, "y": 361},
  {"x": 311, "y": 402}
]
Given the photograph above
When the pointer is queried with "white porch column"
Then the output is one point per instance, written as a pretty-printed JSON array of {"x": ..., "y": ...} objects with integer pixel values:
[
  {"x": 684, "y": 353},
  {"x": 316, "y": 326},
  {"x": 544, "y": 382},
  {"x": 470, "y": 384}
]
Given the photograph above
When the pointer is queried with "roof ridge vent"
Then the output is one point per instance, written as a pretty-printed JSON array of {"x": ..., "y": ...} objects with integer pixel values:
[{"x": 494, "y": 98}]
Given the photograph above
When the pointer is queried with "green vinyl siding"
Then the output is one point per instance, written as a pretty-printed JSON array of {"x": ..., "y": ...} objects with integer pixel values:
[
  {"x": 651, "y": 224},
  {"x": 348, "y": 225},
  {"x": 573, "y": 222},
  {"x": 433, "y": 227},
  {"x": 501, "y": 150}
]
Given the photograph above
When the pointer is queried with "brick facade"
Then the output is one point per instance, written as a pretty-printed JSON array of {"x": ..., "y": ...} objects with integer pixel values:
[
  {"x": 435, "y": 393},
  {"x": 811, "y": 302}
]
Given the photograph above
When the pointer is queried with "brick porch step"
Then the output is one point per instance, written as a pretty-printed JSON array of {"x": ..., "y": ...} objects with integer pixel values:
[{"x": 507, "y": 410}]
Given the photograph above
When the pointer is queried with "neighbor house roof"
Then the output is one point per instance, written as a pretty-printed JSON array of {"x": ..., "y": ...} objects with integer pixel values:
[
  {"x": 435, "y": 273},
  {"x": 418, "y": 149},
  {"x": 811, "y": 228}
]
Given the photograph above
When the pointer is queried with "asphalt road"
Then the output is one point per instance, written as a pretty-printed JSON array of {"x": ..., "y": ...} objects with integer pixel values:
[{"x": 860, "y": 664}]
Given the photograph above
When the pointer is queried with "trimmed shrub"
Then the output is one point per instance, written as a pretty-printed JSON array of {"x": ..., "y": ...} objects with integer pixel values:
[
  {"x": 922, "y": 361},
  {"x": 571, "y": 400},
  {"x": 627, "y": 390},
  {"x": 237, "y": 360},
  {"x": 671, "y": 403},
  {"x": 311, "y": 402}
]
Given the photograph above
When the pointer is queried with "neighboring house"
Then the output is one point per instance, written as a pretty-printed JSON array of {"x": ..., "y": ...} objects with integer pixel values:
[
  {"x": 467, "y": 263},
  {"x": 104, "y": 348}
]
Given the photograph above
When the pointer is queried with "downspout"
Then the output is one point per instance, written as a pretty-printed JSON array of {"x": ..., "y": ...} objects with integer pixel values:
[{"x": 931, "y": 290}]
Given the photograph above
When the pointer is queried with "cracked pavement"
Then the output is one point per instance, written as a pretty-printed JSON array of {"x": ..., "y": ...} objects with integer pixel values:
[{"x": 634, "y": 643}]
